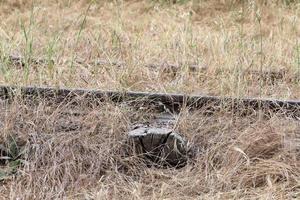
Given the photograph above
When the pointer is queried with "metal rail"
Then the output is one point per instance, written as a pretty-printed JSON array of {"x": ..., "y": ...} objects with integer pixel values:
[
  {"x": 266, "y": 75},
  {"x": 172, "y": 102}
]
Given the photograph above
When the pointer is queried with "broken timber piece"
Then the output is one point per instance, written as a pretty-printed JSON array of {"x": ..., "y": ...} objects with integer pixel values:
[{"x": 161, "y": 146}]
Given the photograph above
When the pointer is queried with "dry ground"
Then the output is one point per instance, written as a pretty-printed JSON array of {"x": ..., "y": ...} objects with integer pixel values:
[{"x": 80, "y": 156}]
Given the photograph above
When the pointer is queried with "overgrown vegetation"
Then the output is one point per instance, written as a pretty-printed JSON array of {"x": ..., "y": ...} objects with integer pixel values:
[
  {"x": 217, "y": 47},
  {"x": 77, "y": 151},
  {"x": 228, "y": 38}
]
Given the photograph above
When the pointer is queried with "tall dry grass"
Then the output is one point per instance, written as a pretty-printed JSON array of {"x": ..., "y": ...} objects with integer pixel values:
[
  {"x": 226, "y": 37},
  {"x": 78, "y": 151}
]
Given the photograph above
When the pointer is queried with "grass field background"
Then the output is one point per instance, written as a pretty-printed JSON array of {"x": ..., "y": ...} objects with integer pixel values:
[
  {"x": 237, "y": 48},
  {"x": 225, "y": 37}
]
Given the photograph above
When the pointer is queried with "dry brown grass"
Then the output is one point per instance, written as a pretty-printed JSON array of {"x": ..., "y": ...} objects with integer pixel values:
[
  {"x": 77, "y": 152},
  {"x": 81, "y": 156},
  {"x": 218, "y": 35}
]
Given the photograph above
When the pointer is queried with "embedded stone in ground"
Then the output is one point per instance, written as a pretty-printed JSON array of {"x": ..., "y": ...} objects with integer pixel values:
[{"x": 162, "y": 146}]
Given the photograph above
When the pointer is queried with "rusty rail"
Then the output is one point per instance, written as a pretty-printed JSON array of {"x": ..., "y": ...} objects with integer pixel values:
[
  {"x": 270, "y": 76},
  {"x": 173, "y": 102}
]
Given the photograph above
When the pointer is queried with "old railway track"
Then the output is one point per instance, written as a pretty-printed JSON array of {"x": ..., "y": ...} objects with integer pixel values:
[
  {"x": 268, "y": 76},
  {"x": 154, "y": 140},
  {"x": 173, "y": 103}
]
